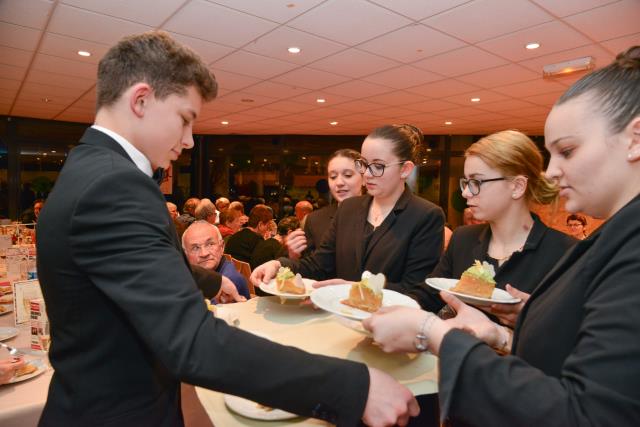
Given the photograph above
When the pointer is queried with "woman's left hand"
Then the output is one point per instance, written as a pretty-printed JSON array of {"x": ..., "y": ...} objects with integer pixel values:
[
  {"x": 472, "y": 321},
  {"x": 395, "y": 328}
]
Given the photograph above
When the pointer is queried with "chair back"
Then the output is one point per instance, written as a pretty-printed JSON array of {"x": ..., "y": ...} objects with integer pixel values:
[{"x": 245, "y": 269}]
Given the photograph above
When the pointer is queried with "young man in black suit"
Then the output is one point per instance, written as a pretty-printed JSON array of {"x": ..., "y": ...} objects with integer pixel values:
[{"x": 127, "y": 321}]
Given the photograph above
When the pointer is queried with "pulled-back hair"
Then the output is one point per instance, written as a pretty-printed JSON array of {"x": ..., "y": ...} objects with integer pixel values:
[
  {"x": 155, "y": 58},
  {"x": 345, "y": 152},
  {"x": 614, "y": 89},
  {"x": 406, "y": 140},
  {"x": 513, "y": 153}
]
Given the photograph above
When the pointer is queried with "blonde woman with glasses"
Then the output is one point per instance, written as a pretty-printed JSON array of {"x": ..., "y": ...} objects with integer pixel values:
[{"x": 388, "y": 230}]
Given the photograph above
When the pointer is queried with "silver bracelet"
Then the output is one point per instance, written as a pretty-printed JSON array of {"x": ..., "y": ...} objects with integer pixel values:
[{"x": 421, "y": 342}]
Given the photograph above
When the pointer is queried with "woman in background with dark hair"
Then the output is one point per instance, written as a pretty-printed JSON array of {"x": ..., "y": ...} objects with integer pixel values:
[
  {"x": 388, "y": 231},
  {"x": 344, "y": 182},
  {"x": 575, "y": 353}
]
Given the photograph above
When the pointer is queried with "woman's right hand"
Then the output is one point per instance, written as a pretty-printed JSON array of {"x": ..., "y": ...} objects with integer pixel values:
[
  {"x": 265, "y": 272},
  {"x": 296, "y": 243},
  {"x": 508, "y": 313},
  {"x": 8, "y": 368}
]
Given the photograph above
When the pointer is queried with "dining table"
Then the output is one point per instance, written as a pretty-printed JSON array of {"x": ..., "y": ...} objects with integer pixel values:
[{"x": 299, "y": 325}]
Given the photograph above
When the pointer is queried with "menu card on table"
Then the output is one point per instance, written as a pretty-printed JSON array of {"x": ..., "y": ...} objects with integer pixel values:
[{"x": 23, "y": 292}]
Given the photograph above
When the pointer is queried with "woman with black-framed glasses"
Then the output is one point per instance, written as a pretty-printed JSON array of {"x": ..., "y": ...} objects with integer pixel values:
[
  {"x": 503, "y": 177},
  {"x": 388, "y": 230}
]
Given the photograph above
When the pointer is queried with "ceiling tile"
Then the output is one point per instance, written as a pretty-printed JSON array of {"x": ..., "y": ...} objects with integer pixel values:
[
  {"x": 352, "y": 21},
  {"x": 15, "y": 57},
  {"x": 60, "y": 80},
  {"x": 48, "y": 91},
  {"x": 54, "y": 64},
  {"x": 432, "y": 105},
  {"x": 9, "y": 84},
  {"x": 253, "y": 65},
  {"x": 442, "y": 88},
  {"x": 419, "y": 10},
  {"x": 18, "y": 37},
  {"x": 411, "y": 43},
  {"x": 403, "y": 77},
  {"x": 359, "y": 106},
  {"x": 529, "y": 111},
  {"x": 246, "y": 99},
  {"x": 461, "y": 61},
  {"x": 396, "y": 97},
  {"x": 623, "y": 18},
  {"x": 552, "y": 37},
  {"x": 309, "y": 78},
  {"x": 276, "y": 43},
  {"x": 485, "y": 19},
  {"x": 546, "y": 99},
  {"x": 311, "y": 97},
  {"x": 68, "y": 47},
  {"x": 218, "y": 24},
  {"x": 12, "y": 72},
  {"x": 354, "y": 63},
  {"x": 27, "y": 13},
  {"x": 601, "y": 57},
  {"x": 233, "y": 81},
  {"x": 275, "y": 10},
  {"x": 357, "y": 89},
  {"x": 83, "y": 24},
  {"x": 290, "y": 107},
  {"x": 148, "y": 12},
  {"x": 529, "y": 88},
  {"x": 275, "y": 90},
  {"x": 500, "y": 76},
  {"x": 504, "y": 106},
  {"x": 621, "y": 44},
  {"x": 209, "y": 52},
  {"x": 264, "y": 112},
  {"x": 570, "y": 7}
]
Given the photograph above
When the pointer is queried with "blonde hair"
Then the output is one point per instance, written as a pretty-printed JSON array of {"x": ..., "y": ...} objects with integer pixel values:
[{"x": 513, "y": 153}]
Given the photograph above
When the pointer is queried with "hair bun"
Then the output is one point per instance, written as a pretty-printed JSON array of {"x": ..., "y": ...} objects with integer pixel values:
[
  {"x": 413, "y": 132},
  {"x": 630, "y": 58}
]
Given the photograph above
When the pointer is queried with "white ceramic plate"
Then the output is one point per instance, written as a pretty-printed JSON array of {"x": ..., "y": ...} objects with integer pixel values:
[
  {"x": 254, "y": 410},
  {"x": 271, "y": 288},
  {"x": 6, "y": 309},
  {"x": 38, "y": 363},
  {"x": 499, "y": 296},
  {"x": 7, "y": 332},
  {"x": 6, "y": 299},
  {"x": 328, "y": 298}
]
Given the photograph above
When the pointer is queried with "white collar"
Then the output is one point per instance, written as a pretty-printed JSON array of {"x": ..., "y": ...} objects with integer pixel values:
[{"x": 136, "y": 155}]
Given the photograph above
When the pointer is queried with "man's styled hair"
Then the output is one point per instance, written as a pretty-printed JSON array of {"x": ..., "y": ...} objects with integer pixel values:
[
  {"x": 205, "y": 209},
  {"x": 259, "y": 213},
  {"x": 155, "y": 58}
]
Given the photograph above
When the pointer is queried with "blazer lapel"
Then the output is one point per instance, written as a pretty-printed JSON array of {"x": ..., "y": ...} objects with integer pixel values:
[{"x": 361, "y": 221}]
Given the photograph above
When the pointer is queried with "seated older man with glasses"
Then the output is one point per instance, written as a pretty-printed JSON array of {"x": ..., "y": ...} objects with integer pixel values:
[{"x": 203, "y": 245}]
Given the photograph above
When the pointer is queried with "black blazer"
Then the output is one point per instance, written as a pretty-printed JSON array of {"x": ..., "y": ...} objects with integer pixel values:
[
  {"x": 524, "y": 270},
  {"x": 576, "y": 345},
  {"x": 406, "y": 246},
  {"x": 128, "y": 323},
  {"x": 316, "y": 224}
]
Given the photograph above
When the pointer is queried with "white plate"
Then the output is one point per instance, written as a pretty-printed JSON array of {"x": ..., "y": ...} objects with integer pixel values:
[
  {"x": 7, "y": 309},
  {"x": 38, "y": 363},
  {"x": 272, "y": 288},
  {"x": 254, "y": 410},
  {"x": 7, "y": 332},
  {"x": 6, "y": 299},
  {"x": 328, "y": 298},
  {"x": 499, "y": 296}
]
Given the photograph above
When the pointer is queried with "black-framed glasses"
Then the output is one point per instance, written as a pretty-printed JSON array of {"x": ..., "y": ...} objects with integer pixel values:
[
  {"x": 475, "y": 184},
  {"x": 375, "y": 169}
]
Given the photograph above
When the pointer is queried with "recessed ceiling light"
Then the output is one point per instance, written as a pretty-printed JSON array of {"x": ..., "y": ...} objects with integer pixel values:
[
  {"x": 294, "y": 49},
  {"x": 220, "y": 149},
  {"x": 304, "y": 158},
  {"x": 53, "y": 151},
  {"x": 333, "y": 123},
  {"x": 84, "y": 53},
  {"x": 47, "y": 100},
  {"x": 224, "y": 122},
  {"x": 247, "y": 100},
  {"x": 531, "y": 46},
  {"x": 475, "y": 99},
  {"x": 448, "y": 123},
  {"x": 321, "y": 100}
]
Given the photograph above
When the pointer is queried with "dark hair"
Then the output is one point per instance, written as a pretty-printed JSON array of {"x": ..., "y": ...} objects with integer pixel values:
[
  {"x": 190, "y": 206},
  {"x": 406, "y": 140},
  {"x": 577, "y": 217},
  {"x": 229, "y": 215},
  {"x": 259, "y": 213},
  {"x": 155, "y": 58},
  {"x": 615, "y": 89},
  {"x": 288, "y": 224}
]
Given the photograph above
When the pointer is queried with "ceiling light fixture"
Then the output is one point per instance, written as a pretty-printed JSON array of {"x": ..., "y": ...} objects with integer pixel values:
[
  {"x": 448, "y": 123},
  {"x": 568, "y": 67},
  {"x": 532, "y": 46},
  {"x": 333, "y": 123},
  {"x": 84, "y": 53},
  {"x": 294, "y": 50},
  {"x": 475, "y": 99},
  {"x": 321, "y": 100},
  {"x": 224, "y": 122}
]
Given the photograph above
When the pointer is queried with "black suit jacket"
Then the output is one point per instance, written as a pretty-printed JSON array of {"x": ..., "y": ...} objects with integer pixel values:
[
  {"x": 524, "y": 270},
  {"x": 576, "y": 345},
  {"x": 128, "y": 323},
  {"x": 406, "y": 246},
  {"x": 316, "y": 224}
]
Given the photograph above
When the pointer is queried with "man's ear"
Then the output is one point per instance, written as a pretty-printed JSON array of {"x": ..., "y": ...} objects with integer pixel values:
[
  {"x": 139, "y": 96},
  {"x": 633, "y": 132}
]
